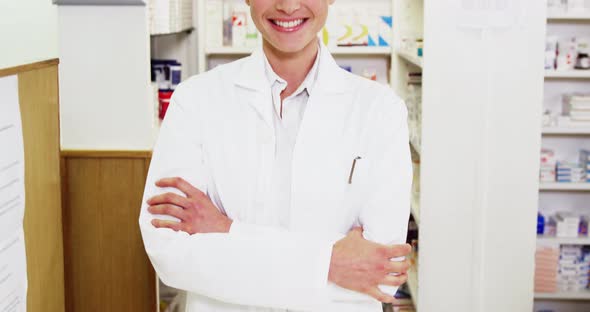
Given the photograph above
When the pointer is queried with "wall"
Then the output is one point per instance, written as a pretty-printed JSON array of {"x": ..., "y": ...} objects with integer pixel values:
[
  {"x": 29, "y": 29},
  {"x": 104, "y": 78}
]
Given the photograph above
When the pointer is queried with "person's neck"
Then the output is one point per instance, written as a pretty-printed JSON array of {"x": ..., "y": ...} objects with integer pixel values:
[{"x": 292, "y": 67}]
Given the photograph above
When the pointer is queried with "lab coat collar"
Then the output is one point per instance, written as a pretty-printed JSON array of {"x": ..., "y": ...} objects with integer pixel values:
[{"x": 330, "y": 79}]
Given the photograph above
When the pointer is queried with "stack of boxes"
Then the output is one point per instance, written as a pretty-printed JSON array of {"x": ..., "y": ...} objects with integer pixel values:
[
  {"x": 169, "y": 16},
  {"x": 569, "y": 224},
  {"x": 573, "y": 270},
  {"x": 562, "y": 171},
  {"x": 546, "y": 268},
  {"x": 575, "y": 111},
  {"x": 570, "y": 172},
  {"x": 565, "y": 269},
  {"x": 548, "y": 163}
]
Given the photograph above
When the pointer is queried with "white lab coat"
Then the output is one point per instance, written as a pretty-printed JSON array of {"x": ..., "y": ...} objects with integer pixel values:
[{"x": 218, "y": 135}]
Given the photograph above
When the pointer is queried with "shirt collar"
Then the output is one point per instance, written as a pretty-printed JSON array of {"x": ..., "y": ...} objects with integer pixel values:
[{"x": 307, "y": 84}]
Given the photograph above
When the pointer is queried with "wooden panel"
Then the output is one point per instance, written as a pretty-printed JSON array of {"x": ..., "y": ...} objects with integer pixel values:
[
  {"x": 107, "y": 154},
  {"x": 107, "y": 268},
  {"x": 28, "y": 67},
  {"x": 38, "y": 93}
]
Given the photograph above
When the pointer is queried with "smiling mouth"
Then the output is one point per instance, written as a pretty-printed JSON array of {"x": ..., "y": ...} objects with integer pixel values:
[{"x": 290, "y": 25}]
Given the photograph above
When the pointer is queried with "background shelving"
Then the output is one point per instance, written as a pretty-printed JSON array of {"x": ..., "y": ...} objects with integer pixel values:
[
  {"x": 211, "y": 52},
  {"x": 566, "y": 131},
  {"x": 558, "y": 186},
  {"x": 580, "y": 295},
  {"x": 570, "y": 197},
  {"x": 582, "y": 17},
  {"x": 569, "y": 74},
  {"x": 582, "y": 240}
]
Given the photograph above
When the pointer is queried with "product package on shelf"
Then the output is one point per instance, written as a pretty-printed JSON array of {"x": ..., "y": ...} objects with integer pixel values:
[
  {"x": 573, "y": 269},
  {"x": 563, "y": 224},
  {"x": 169, "y": 16},
  {"x": 567, "y": 53},
  {"x": 167, "y": 75},
  {"x": 570, "y": 172},
  {"x": 546, "y": 268},
  {"x": 348, "y": 26},
  {"x": 548, "y": 163},
  {"x": 552, "y": 170}
]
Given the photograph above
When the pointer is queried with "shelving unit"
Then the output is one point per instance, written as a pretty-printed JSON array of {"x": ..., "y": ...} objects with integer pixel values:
[
  {"x": 569, "y": 74},
  {"x": 582, "y": 240},
  {"x": 410, "y": 57},
  {"x": 413, "y": 284},
  {"x": 579, "y": 17},
  {"x": 571, "y": 197},
  {"x": 566, "y": 131},
  {"x": 580, "y": 295},
  {"x": 408, "y": 19},
  {"x": 415, "y": 209},
  {"x": 557, "y": 186}
]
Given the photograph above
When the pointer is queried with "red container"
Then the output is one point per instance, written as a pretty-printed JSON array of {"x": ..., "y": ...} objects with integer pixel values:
[{"x": 164, "y": 99}]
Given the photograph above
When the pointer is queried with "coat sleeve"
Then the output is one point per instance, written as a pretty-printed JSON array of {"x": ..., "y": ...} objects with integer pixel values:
[
  {"x": 386, "y": 212},
  {"x": 249, "y": 267}
]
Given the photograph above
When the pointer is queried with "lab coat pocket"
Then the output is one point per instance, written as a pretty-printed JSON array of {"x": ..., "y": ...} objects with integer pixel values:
[{"x": 355, "y": 184}]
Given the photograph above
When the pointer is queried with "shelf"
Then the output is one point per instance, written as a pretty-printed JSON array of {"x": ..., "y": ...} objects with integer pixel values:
[
  {"x": 566, "y": 131},
  {"x": 229, "y": 51},
  {"x": 410, "y": 57},
  {"x": 582, "y": 240},
  {"x": 184, "y": 30},
  {"x": 569, "y": 17},
  {"x": 361, "y": 51},
  {"x": 564, "y": 186},
  {"x": 413, "y": 284},
  {"x": 580, "y": 295},
  {"x": 565, "y": 74},
  {"x": 383, "y": 51},
  {"x": 415, "y": 209},
  {"x": 414, "y": 143}
]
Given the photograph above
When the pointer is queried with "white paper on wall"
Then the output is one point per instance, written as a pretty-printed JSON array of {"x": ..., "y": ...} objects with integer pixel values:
[{"x": 13, "y": 267}]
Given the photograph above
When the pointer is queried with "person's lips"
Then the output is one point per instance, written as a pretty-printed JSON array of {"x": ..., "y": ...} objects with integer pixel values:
[{"x": 288, "y": 25}]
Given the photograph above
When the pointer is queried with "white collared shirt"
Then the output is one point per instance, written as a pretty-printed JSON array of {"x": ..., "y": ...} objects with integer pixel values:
[{"x": 287, "y": 118}]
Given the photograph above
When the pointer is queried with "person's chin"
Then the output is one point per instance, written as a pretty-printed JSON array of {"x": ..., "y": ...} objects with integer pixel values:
[{"x": 292, "y": 46}]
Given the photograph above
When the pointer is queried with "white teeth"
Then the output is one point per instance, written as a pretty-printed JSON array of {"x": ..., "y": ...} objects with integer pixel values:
[{"x": 290, "y": 24}]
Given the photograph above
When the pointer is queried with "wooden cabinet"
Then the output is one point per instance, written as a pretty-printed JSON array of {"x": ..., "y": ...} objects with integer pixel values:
[{"x": 106, "y": 267}]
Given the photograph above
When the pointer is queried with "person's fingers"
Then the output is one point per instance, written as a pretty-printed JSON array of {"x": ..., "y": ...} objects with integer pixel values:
[
  {"x": 398, "y": 266},
  {"x": 169, "y": 210},
  {"x": 394, "y": 280},
  {"x": 379, "y": 295},
  {"x": 181, "y": 184},
  {"x": 169, "y": 198},
  {"x": 176, "y": 226},
  {"x": 397, "y": 251}
]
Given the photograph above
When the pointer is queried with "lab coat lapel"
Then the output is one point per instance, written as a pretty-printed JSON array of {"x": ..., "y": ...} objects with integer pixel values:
[
  {"x": 253, "y": 86},
  {"x": 322, "y": 148}
]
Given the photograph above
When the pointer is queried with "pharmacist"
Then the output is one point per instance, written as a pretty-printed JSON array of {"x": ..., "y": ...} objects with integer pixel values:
[{"x": 265, "y": 168}]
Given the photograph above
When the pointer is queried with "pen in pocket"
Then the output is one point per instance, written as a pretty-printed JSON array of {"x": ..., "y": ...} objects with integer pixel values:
[{"x": 352, "y": 169}]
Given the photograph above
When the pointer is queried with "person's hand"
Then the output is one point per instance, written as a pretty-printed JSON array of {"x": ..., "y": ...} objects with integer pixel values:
[
  {"x": 196, "y": 212},
  {"x": 361, "y": 265}
]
